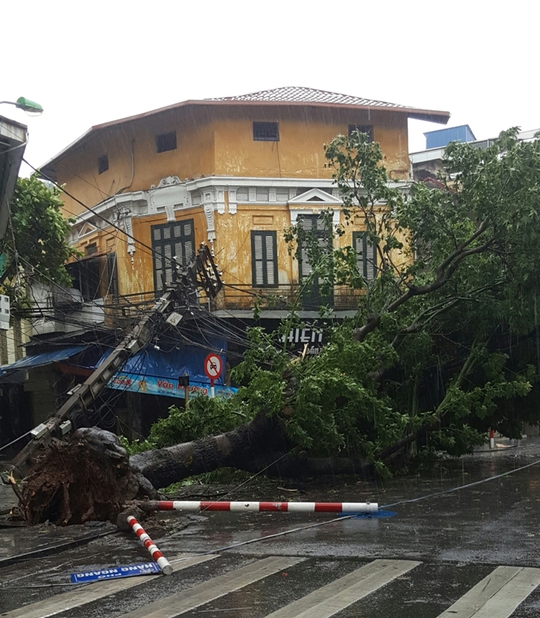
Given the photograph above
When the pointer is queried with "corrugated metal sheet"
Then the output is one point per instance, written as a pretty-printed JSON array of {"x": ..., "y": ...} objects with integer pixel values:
[
  {"x": 296, "y": 94},
  {"x": 442, "y": 137}
]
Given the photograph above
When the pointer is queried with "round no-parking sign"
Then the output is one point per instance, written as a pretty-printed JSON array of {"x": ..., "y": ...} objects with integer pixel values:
[{"x": 213, "y": 366}]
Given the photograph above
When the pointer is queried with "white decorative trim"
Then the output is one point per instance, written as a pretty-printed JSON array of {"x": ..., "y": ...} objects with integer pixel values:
[
  {"x": 169, "y": 194},
  {"x": 233, "y": 203},
  {"x": 220, "y": 200},
  {"x": 317, "y": 197},
  {"x": 295, "y": 213},
  {"x": 124, "y": 219},
  {"x": 209, "y": 214},
  {"x": 172, "y": 192},
  {"x": 168, "y": 181},
  {"x": 85, "y": 229}
]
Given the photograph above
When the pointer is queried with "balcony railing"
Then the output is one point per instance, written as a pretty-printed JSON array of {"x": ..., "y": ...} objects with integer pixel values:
[
  {"x": 123, "y": 311},
  {"x": 287, "y": 297}
]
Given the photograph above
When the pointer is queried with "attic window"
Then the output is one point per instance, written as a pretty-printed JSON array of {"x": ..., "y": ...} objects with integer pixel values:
[
  {"x": 266, "y": 131},
  {"x": 362, "y": 128},
  {"x": 103, "y": 163},
  {"x": 166, "y": 141}
]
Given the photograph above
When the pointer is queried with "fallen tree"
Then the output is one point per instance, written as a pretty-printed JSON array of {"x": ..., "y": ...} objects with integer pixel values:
[
  {"x": 438, "y": 352},
  {"x": 94, "y": 459}
]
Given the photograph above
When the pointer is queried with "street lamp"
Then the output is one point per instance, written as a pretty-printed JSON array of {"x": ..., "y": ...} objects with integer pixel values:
[{"x": 30, "y": 107}]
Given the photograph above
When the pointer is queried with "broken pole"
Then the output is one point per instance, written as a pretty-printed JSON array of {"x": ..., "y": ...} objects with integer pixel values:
[
  {"x": 162, "y": 562},
  {"x": 238, "y": 507}
]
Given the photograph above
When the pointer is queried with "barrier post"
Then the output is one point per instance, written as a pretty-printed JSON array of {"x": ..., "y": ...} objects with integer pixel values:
[
  {"x": 242, "y": 507},
  {"x": 162, "y": 562}
]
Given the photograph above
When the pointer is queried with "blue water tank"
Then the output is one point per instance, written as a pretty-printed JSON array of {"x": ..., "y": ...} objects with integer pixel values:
[{"x": 439, "y": 139}]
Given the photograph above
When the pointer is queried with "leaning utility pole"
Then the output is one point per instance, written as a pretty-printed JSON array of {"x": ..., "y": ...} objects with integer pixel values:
[{"x": 203, "y": 273}]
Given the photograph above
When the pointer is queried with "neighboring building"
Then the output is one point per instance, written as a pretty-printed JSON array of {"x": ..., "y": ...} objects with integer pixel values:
[
  {"x": 13, "y": 138},
  {"x": 426, "y": 164},
  {"x": 232, "y": 173}
]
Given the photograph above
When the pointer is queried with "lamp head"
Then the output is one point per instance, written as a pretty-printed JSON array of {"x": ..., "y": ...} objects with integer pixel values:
[{"x": 28, "y": 106}]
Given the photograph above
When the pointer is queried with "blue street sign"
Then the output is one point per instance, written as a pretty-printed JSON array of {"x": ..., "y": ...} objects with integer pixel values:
[{"x": 130, "y": 570}]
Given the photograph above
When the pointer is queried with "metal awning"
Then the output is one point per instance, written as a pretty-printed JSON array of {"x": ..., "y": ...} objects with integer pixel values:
[{"x": 45, "y": 358}]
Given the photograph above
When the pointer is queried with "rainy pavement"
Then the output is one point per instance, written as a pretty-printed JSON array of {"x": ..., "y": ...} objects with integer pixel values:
[{"x": 446, "y": 543}]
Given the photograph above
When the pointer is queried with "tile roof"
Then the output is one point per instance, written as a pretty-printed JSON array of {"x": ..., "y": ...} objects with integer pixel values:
[{"x": 296, "y": 94}]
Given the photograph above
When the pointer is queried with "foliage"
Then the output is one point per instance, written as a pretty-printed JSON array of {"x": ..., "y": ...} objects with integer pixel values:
[
  {"x": 440, "y": 349},
  {"x": 203, "y": 416},
  {"x": 35, "y": 246}
]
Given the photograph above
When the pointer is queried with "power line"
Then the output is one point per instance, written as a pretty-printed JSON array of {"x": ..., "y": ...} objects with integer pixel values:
[{"x": 149, "y": 250}]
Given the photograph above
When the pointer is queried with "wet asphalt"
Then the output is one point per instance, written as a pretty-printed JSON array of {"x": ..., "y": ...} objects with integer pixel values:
[{"x": 448, "y": 516}]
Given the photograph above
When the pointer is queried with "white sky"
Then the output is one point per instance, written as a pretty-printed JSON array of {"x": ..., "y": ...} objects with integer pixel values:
[{"x": 92, "y": 62}]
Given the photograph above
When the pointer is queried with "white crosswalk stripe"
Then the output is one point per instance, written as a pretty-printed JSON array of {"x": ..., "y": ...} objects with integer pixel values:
[
  {"x": 214, "y": 589},
  {"x": 93, "y": 592},
  {"x": 498, "y": 595},
  {"x": 341, "y": 593}
]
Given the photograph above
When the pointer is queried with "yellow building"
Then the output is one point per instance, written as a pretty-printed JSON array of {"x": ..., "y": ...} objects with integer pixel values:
[
  {"x": 232, "y": 172},
  {"x": 146, "y": 191}
]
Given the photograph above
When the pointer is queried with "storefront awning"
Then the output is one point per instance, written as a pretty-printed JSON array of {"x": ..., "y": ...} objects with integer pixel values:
[{"x": 45, "y": 358}]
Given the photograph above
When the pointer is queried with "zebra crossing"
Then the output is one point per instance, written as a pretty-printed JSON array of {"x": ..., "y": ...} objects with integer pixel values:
[{"x": 498, "y": 594}]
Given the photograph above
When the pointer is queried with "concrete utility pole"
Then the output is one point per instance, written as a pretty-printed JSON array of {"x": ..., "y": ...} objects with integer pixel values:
[{"x": 202, "y": 272}]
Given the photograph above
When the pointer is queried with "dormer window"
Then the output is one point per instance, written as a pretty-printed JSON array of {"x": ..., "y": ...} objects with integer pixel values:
[
  {"x": 103, "y": 163},
  {"x": 266, "y": 131},
  {"x": 166, "y": 141}
]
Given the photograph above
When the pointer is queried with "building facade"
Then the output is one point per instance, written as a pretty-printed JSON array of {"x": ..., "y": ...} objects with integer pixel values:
[{"x": 232, "y": 173}]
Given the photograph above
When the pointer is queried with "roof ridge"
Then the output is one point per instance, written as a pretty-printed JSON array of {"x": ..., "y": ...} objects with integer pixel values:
[{"x": 304, "y": 94}]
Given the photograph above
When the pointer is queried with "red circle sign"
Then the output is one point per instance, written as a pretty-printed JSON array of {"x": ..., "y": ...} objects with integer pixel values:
[{"x": 213, "y": 366}]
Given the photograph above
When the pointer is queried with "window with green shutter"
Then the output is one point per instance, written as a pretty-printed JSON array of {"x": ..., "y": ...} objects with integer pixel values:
[
  {"x": 173, "y": 243},
  {"x": 264, "y": 259},
  {"x": 367, "y": 255},
  {"x": 314, "y": 237}
]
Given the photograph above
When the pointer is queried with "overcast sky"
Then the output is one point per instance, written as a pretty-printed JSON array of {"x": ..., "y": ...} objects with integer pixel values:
[{"x": 92, "y": 62}]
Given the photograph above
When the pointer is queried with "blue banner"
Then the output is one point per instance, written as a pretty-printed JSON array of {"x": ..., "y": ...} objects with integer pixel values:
[
  {"x": 171, "y": 364},
  {"x": 152, "y": 385},
  {"x": 157, "y": 371}
]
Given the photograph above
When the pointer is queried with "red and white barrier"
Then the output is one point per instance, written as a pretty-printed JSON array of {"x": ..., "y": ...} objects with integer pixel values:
[
  {"x": 286, "y": 507},
  {"x": 162, "y": 562}
]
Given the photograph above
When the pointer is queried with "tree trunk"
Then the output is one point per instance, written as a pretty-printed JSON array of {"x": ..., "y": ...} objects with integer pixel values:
[{"x": 92, "y": 477}]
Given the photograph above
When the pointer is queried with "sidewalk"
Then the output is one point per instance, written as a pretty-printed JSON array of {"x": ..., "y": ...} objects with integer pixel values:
[
  {"x": 500, "y": 442},
  {"x": 19, "y": 541}
]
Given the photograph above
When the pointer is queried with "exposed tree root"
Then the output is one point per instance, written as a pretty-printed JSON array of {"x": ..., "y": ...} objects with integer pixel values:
[{"x": 73, "y": 483}]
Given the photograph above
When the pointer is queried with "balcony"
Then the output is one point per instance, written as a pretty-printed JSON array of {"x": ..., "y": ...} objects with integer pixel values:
[{"x": 284, "y": 298}]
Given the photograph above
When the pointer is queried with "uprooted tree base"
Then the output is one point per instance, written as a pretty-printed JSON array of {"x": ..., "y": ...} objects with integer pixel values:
[
  {"x": 92, "y": 478},
  {"x": 73, "y": 484}
]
